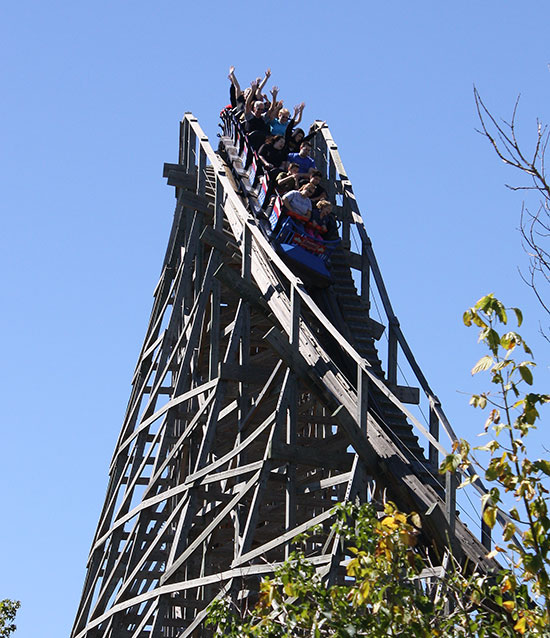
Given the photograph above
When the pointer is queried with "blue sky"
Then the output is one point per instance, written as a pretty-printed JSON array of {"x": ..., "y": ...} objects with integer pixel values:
[{"x": 92, "y": 96}]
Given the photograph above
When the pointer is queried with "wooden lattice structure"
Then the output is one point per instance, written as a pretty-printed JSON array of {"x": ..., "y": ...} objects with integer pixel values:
[{"x": 256, "y": 407}]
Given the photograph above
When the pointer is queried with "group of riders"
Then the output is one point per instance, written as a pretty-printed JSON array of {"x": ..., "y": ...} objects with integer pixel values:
[{"x": 284, "y": 154}]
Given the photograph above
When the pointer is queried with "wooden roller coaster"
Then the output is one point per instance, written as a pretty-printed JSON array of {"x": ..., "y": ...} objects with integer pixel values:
[{"x": 258, "y": 404}]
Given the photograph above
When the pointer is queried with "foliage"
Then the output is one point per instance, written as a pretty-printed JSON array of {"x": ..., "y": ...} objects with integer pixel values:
[
  {"x": 512, "y": 414},
  {"x": 383, "y": 593},
  {"x": 389, "y": 588},
  {"x": 8, "y": 610}
]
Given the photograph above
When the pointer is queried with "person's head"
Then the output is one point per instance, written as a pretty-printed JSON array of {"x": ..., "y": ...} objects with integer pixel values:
[
  {"x": 258, "y": 108},
  {"x": 307, "y": 190},
  {"x": 315, "y": 177},
  {"x": 324, "y": 207},
  {"x": 305, "y": 149},
  {"x": 284, "y": 116},
  {"x": 298, "y": 135},
  {"x": 278, "y": 142},
  {"x": 293, "y": 168}
]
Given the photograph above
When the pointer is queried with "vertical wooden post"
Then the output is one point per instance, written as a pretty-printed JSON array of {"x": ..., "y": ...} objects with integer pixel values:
[
  {"x": 434, "y": 431},
  {"x": 292, "y": 417},
  {"x": 184, "y": 144},
  {"x": 320, "y": 154},
  {"x": 362, "y": 398},
  {"x": 201, "y": 184},
  {"x": 218, "y": 204},
  {"x": 331, "y": 178},
  {"x": 392, "y": 350},
  {"x": 244, "y": 353},
  {"x": 345, "y": 216},
  {"x": 192, "y": 151},
  {"x": 214, "y": 354},
  {"x": 450, "y": 505},
  {"x": 365, "y": 276},
  {"x": 184, "y": 131}
]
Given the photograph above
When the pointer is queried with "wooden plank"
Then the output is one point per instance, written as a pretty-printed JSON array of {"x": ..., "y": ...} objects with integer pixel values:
[
  {"x": 178, "y": 562},
  {"x": 283, "y": 538},
  {"x": 196, "y": 202},
  {"x": 181, "y": 179},
  {"x": 323, "y": 484},
  {"x": 305, "y": 455},
  {"x": 168, "y": 589},
  {"x": 405, "y": 393},
  {"x": 219, "y": 240},
  {"x": 251, "y": 373}
]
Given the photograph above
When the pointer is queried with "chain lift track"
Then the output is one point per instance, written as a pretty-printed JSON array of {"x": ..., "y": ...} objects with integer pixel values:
[{"x": 256, "y": 407}]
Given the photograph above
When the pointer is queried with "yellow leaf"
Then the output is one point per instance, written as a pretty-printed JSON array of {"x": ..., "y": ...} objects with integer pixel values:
[
  {"x": 400, "y": 517},
  {"x": 509, "y": 605},
  {"x": 389, "y": 521},
  {"x": 483, "y": 364},
  {"x": 490, "y": 516},
  {"x": 521, "y": 625},
  {"x": 507, "y": 585},
  {"x": 408, "y": 539}
]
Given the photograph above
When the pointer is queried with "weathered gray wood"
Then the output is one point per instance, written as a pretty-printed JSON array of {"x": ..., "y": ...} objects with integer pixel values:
[
  {"x": 307, "y": 456},
  {"x": 171, "y": 167},
  {"x": 434, "y": 431},
  {"x": 406, "y": 394},
  {"x": 450, "y": 505},
  {"x": 180, "y": 179},
  {"x": 392, "y": 352},
  {"x": 216, "y": 448}
]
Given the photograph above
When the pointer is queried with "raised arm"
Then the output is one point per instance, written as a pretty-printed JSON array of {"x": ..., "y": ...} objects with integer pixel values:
[
  {"x": 272, "y": 111},
  {"x": 251, "y": 97},
  {"x": 263, "y": 82},
  {"x": 298, "y": 110},
  {"x": 233, "y": 79}
]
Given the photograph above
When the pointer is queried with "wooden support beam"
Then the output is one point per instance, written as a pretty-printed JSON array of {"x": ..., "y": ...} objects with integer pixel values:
[
  {"x": 181, "y": 179},
  {"x": 304, "y": 455},
  {"x": 406, "y": 394},
  {"x": 433, "y": 454}
]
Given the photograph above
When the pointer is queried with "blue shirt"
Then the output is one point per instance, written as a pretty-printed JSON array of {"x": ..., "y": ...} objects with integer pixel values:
[
  {"x": 277, "y": 127},
  {"x": 305, "y": 163}
]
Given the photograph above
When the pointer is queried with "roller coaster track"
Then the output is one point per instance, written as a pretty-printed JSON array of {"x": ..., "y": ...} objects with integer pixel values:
[{"x": 257, "y": 406}]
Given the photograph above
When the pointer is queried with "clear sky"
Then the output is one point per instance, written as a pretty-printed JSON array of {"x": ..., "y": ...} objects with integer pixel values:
[{"x": 92, "y": 93}]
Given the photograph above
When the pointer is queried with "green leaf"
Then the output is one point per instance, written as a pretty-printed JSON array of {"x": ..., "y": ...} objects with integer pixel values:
[
  {"x": 509, "y": 531},
  {"x": 479, "y": 321},
  {"x": 468, "y": 481},
  {"x": 526, "y": 374},
  {"x": 483, "y": 364},
  {"x": 492, "y": 446},
  {"x": 514, "y": 514},
  {"x": 519, "y": 316},
  {"x": 490, "y": 516},
  {"x": 450, "y": 463},
  {"x": 509, "y": 340},
  {"x": 485, "y": 303},
  {"x": 493, "y": 339},
  {"x": 501, "y": 312},
  {"x": 543, "y": 466},
  {"x": 467, "y": 318}
]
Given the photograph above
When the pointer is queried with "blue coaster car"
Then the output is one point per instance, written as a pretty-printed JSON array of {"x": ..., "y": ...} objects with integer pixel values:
[{"x": 306, "y": 255}]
